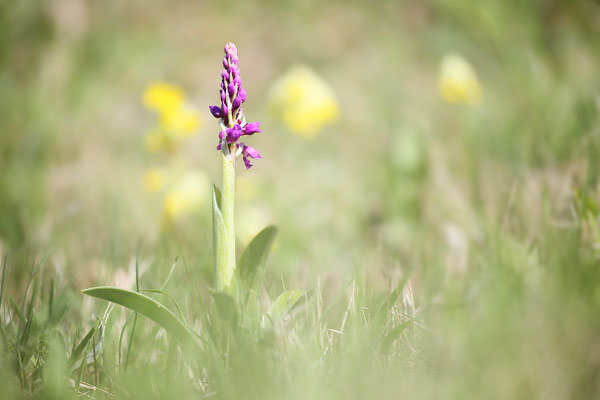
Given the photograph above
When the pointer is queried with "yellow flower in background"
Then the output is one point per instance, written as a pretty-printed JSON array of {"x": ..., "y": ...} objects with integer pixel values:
[
  {"x": 183, "y": 192},
  {"x": 176, "y": 119},
  {"x": 458, "y": 81},
  {"x": 304, "y": 102},
  {"x": 161, "y": 97},
  {"x": 188, "y": 195},
  {"x": 183, "y": 120},
  {"x": 155, "y": 179}
]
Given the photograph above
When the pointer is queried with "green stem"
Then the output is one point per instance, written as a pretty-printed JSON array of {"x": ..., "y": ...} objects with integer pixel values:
[{"x": 227, "y": 211}]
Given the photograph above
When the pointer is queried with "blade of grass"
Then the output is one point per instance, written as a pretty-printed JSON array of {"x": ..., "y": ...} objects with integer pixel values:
[
  {"x": 388, "y": 340},
  {"x": 137, "y": 289},
  {"x": 26, "y": 330},
  {"x": 284, "y": 304},
  {"x": 331, "y": 305},
  {"x": 51, "y": 299},
  {"x": 164, "y": 285},
  {"x": 82, "y": 345},
  {"x": 99, "y": 325},
  {"x": 121, "y": 335},
  {"x": 31, "y": 279},
  {"x": 2, "y": 284},
  {"x": 395, "y": 295}
]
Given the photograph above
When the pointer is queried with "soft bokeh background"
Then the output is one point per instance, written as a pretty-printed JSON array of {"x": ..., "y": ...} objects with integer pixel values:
[{"x": 490, "y": 201}]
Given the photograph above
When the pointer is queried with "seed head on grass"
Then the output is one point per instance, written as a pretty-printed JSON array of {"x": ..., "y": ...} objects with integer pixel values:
[{"x": 231, "y": 117}]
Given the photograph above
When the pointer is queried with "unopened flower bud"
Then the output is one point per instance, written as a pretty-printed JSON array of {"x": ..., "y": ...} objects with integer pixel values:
[
  {"x": 237, "y": 102},
  {"x": 215, "y": 111}
]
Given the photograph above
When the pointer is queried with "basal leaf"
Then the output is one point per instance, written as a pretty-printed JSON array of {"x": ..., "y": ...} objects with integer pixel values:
[
  {"x": 226, "y": 307},
  {"x": 219, "y": 241},
  {"x": 144, "y": 305},
  {"x": 251, "y": 267},
  {"x": 224, "y": 319}
]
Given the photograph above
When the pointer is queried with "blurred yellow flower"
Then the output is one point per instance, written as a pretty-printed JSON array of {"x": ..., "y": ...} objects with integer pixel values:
[
  {"x": 161, "y": 96},
  {"x": 188, "y": 195},
  {"x": 303, "y": 101},
  {"x": 155, "y": 179},
  {"x": 458, "y": 81},
  {"x": 183, "y": 120},
  {"x": 177, "y": 120}
]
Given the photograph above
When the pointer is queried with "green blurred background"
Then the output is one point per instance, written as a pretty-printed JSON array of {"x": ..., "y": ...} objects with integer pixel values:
[{"x": 492, "y": 208}]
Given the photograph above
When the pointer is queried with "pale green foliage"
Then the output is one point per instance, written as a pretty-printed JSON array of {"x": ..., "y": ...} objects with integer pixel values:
[
  {"x": 251, "y": 267},
  {"x": 220, "y": 244},
  {"x": 144, "y": 305},
  {"x": 284, "y": 304}
]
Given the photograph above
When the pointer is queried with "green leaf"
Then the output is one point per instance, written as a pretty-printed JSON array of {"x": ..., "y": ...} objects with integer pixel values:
[
  {"x": 82, "y": 345},
  {"x": 144, "y": 305},
  {"x": 26, "y": 327},
  {"x": 219, "y": 241},
  {"x": 251, "y": 267},
  {"x": 224, "y": 320},
  {"x": 160, "y": 291},
  {"x": 284, "y": 304},
  {"x": 226, "y": 307}
]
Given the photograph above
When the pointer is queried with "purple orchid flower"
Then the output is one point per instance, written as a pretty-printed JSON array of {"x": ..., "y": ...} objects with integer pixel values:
[
  {"x": 231, "y": 117},
  {"x": 233, "y": 134},
  {"x": 247, "y": 152},
  {"x": 252, "y": 128}
]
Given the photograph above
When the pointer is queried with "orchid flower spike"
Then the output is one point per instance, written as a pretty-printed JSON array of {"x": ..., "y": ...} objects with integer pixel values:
[{"x": 230, "y": 115}]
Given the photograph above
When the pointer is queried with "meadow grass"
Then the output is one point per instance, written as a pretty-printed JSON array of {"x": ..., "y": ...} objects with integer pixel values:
[{"x": 440, "y": 250}]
